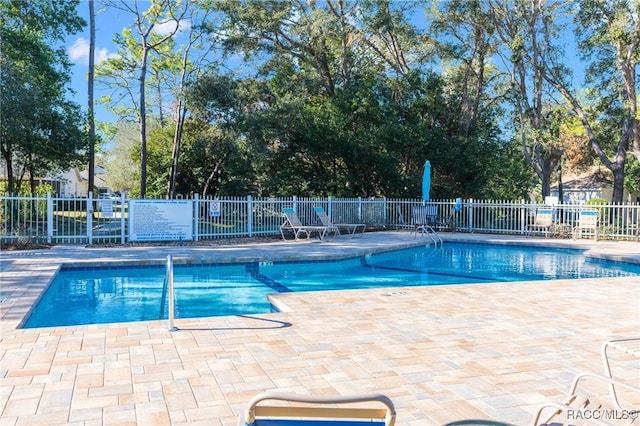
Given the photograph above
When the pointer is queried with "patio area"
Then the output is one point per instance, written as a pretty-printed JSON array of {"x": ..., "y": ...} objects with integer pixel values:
[{"x": 442, "y": 353}]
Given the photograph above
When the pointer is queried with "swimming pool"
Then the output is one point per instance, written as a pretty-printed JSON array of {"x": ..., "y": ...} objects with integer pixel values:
[{"x": 106, "y": 295}]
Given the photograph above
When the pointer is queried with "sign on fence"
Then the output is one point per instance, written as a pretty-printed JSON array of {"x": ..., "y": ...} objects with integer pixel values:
[
  {"x": 160, "y": 220},
  {"x": 214, "y": 209},
  {"x": 107, "y": 208}
]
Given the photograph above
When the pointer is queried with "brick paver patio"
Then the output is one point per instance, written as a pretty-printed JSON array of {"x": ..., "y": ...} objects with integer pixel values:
[{"x": 440, "y": 353}]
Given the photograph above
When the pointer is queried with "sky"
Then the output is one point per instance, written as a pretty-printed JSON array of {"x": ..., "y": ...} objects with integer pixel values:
[{"x": 107, "y": 24}]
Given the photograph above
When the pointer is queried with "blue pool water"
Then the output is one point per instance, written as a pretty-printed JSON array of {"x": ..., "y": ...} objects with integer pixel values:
[{"x": 93, "y": 295}]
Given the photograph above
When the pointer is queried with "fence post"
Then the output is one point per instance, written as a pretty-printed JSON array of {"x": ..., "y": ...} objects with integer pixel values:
[
  {"x": 523, "y": 217},
  {"x": 196, "y": 217},
  {"x": 329, "y": 207},
  {"x": 470, "y": 222},
  {"x": 123, "y": 199},
  {"x": 359, "y": 209},
  {"x": 90, "y": 217},
  {"x": 384, "y": 212},
  {"x": 295, "y": 203},
  {"x": 49, "y": 218},
  {"x": 250, "y": 215}
]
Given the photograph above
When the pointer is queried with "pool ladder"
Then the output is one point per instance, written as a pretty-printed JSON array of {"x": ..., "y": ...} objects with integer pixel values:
[
  {"x": 431, "y": 233},
  {"x": 167, "y": 290}
]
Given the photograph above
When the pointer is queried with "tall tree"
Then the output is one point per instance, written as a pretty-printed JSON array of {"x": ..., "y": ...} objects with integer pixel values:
[
  {"x": 298, "y": 32},
  {"x": 150, "y": 28},
  {"x": 609, "y": 35},
  {"x": 188, "y": 69},
  {"x": 40, "y": 130},
  {"x": 521, "y": 29},
  {"x": 466, "y": 47},
  {"x": 90, "y": 95}
]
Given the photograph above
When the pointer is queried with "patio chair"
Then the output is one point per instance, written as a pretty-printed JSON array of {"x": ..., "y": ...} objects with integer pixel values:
[
  {"x": 542, "y": 222},
  {"x": 425, "y": 216},
  {"x": 581, "y": 408},
  {"x": 370, "y": 410},
  {"x": 402, "y": 223},
  {"x": 629, "y": 346},
  {"x": 351, "y": 228},
  {"x": 292, "y": 223},
  {"x": 588, "y": 221},
  {"x": 452, "y": 221}
]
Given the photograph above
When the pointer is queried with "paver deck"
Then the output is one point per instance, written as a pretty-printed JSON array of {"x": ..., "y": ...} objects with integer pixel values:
[{"x": 441, "y": 353}]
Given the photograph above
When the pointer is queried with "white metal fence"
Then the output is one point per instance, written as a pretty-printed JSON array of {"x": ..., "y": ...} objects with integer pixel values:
[{"x": 63, "y": 220}]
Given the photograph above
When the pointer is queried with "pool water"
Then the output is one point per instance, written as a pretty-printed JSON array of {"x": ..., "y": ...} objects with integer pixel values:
[{"x": 94, "y": 295}]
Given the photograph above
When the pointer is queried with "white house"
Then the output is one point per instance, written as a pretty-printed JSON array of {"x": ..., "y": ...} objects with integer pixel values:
[
  {"x": 76, "y": 183},
  {"x": 597, "y": 182}
]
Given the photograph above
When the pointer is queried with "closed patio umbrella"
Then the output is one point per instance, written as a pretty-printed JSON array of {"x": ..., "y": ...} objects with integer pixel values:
[{"x": 426, "y": 181}]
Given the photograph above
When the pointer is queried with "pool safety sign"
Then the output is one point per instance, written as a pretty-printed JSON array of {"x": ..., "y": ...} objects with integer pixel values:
[
  {"x": 160, "y": 220},
  {"x": 214, "y": 209}
]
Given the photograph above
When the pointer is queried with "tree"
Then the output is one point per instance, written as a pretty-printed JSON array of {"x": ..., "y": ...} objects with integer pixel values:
[
  {"x": 610, "y": 35},
  {"x": 90, "y": 95},
  {"x": 608, "y": 32},
  {"x": 527, "y": 51},
  {"x": 189, "y": 68},
  {"x": 40, "y": 131},
  {"x": 347, "y": 107},
  {"x": 135, "y": 56},
  {"x": 122, "y": 160}
]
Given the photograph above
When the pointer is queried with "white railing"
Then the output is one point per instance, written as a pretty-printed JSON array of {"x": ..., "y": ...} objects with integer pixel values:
[
  {"x": 68, "y": 220},
  {"x": 168, "y": 293}
]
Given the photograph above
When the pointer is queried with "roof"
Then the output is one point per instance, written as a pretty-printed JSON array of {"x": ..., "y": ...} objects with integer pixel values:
[{"x": 595, "y": 178}]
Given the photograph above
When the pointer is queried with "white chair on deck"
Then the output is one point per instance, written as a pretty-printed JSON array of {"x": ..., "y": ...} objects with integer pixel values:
[
  {"x": 588, "y": 221},
  {"x": 542, "y": 222},
  {"x": 307, "y": 410},
  {"x": 351, "y": 228}
]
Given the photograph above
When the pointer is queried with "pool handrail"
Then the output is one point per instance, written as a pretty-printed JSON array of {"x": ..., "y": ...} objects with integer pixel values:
[{"x": 167, "y": 289}]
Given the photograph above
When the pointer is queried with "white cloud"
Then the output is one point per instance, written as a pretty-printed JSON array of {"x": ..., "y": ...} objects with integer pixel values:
[
  {"x": 170, "y": 26},
  {"x": 79, "y": 52}
]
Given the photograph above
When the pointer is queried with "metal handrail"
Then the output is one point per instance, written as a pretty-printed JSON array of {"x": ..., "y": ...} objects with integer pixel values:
[
  {"x": 428, "y": 230},
  {"x": 167, "y": 290}
]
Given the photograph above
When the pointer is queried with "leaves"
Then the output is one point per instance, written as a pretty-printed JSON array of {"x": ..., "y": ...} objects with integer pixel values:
[{"x": 41, "y": 132}]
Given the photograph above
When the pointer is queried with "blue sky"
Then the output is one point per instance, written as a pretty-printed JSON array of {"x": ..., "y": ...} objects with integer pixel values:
[{"x": 107, "y": 24}]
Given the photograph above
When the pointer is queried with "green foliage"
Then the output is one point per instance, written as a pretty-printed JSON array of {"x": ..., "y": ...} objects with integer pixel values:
[
  {"x": 370, "y": 138},
  {"x": 598, "y": 202},
  {"x": 122, "y": 161},
  {"x": 595, "y": 201},
  {"x": 632, "y": 175},
  {"x": 41, "y": 131}
]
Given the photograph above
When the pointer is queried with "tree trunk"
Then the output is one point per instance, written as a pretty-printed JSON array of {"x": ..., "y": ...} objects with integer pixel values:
[
  {"x": 618, "y": 183},
  {"x": 11, "y": 182},
  {"x": 175, "y": 154},
  {"x": 143, "y": 121},
  {"x": 91, "y": 118},
  {"x": 181, "y": 112}
]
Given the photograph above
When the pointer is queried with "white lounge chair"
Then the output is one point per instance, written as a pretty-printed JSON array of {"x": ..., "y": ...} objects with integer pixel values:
[
  {"x": 292, "y": 223},
  {"x": 351, "y": 228},
  {"x": 306, "y": 410},
  {"x": 583, "y": 408},
  {"x": 589, "y": 221},
  {"x": 542, "y": 222},
  {"x": 629, "y": 346}
]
